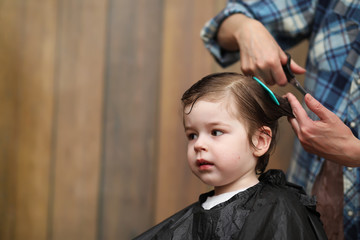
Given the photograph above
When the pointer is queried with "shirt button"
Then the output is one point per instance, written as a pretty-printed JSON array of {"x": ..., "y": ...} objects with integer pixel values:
[
  {"x": 353, "y": 124},
  {"x": 350, "y": 213}
]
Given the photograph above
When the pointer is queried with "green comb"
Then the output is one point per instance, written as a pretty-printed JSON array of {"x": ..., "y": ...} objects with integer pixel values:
[{"x": 272, "y": 95}]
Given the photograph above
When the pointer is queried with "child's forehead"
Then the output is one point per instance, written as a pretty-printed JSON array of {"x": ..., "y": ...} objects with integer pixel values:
[
  {"x": 227, "y": 102},
  {"x": 224, "y": 103}
]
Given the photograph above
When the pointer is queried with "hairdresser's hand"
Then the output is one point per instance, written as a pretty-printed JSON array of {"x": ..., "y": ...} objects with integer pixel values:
[
  {"x": 260, "y": 55},
  {"x": 328, "y": 137}
]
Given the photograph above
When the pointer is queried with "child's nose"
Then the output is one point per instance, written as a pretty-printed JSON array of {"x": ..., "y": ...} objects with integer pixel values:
[{"x": 200, "y": 145}]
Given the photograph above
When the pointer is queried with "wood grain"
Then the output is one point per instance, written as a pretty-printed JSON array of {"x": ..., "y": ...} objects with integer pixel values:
[
  {"x": 78, "y": 125},
  {"x": 27, "y": 41},
  {"x": 132, "y": 86}
]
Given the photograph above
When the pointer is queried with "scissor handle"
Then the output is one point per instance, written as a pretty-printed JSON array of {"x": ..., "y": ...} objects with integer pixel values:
[{"x": 289, "y": 74}]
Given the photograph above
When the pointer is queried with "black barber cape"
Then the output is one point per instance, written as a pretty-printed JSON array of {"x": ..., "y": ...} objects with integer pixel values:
[{"x": 272, "y": 209}]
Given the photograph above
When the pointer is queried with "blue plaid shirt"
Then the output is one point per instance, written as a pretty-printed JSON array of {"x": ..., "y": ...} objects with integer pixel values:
[{"x": 333, "y": 68}]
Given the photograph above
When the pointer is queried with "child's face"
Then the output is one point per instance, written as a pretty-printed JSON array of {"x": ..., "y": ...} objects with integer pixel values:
[{"x": 219, "y": 152}]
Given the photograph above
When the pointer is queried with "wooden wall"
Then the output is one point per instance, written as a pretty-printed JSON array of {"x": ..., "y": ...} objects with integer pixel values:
[{"x": 91, "y": 140}]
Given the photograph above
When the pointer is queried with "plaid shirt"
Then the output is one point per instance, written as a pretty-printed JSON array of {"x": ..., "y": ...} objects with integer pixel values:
[{"x": 333, "y": 68}]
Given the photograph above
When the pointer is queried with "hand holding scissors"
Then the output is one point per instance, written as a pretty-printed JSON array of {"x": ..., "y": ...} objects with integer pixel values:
[{"x": 291, "y": 77}]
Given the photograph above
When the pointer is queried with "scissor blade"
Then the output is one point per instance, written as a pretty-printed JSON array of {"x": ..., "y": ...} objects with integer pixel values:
[{"x": 298, "y": 86}]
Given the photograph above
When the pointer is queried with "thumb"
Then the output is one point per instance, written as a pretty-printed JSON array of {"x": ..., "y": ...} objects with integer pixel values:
[
  {"x": 296, "y": 68},
  {"x": 316, "y": 107}
]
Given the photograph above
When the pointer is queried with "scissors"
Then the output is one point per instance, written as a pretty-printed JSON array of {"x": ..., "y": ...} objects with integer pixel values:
[{"x": 291, "y": 77}]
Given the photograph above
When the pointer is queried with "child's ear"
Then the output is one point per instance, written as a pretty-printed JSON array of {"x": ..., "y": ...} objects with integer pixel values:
[{"x": 261, "y": 141}]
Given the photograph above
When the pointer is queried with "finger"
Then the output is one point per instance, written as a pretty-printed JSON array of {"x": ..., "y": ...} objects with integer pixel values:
[
  {"x": 247, "y": 70},
  {"x": 283, "y": 57},
  {"x": 298, "y": 111},
  {"x": 296, "y": 68},
  {"x": 316, "y": 107},
  {"x": 295, "y": 125},
  {"x": 268, "y": 78},
  {"x": 247, "y": 64},
  {"x": 264, "y": 75},
  {"x": 277, "y": 71}
]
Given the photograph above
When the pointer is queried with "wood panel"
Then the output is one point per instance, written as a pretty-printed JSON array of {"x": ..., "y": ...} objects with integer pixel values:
[
  {"x": 9, "y": 40},
  {"x": 132, "y": 82},
  {"x": 185, "y": 61},
  {"x": 78, "y": 125},
  {"x": 27, "y": 41}
]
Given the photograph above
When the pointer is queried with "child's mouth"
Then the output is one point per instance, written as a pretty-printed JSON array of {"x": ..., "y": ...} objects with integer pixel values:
[{"x": 203, "y": 164}]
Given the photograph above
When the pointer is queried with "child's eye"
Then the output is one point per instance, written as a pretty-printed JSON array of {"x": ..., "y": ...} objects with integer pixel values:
[
  {"x": 217, "y": 133},
  {"x": 191, "y": 136}
]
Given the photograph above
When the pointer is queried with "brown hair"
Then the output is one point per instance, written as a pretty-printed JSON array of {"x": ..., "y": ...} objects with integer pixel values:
[{"x": 253, "y": 104}]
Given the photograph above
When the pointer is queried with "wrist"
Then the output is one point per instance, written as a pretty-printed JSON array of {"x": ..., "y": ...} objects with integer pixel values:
[
  {"x": 229, "y": 30},
  {"x": 353, "y": 152}
]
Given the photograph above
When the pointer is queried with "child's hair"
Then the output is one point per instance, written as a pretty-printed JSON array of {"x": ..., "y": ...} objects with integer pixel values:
[{"x": 253, "y": 104}]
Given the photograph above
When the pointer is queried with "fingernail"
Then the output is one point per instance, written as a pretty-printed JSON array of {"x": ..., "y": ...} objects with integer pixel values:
[{"x": 294, "y": 113}]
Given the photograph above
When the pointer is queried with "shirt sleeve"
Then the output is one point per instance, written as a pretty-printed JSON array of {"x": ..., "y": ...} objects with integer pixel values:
[{"x": 289, "y": 22}]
